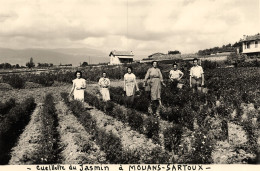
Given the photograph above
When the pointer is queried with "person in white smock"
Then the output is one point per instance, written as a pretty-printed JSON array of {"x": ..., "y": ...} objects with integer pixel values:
[
  {"x": 130, "y": 86},
  {"x": 78, "y": 87},
  {"x": 104, "y": 84}
]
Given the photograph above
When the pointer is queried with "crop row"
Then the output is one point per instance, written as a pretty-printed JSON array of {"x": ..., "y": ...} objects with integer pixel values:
[
  {"x": 120, "y": 143},
  {"x": 29, "y": 141},
  {"x": 42, "y": 141},
  {"x": 177, "y": 108},
  {"x": 144, "y": 125},
  {"x": 12, "y": 125},
  {"x": 175, "y": 135},
  {"x": 163, "y": 132},
  {"x": 77, "y": 144},
  {"x": 54, "y": 135},
  {"x": 205, "y": 110}
]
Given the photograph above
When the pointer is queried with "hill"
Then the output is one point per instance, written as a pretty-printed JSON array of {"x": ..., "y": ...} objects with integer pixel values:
[{"x": 56, "y": 56}]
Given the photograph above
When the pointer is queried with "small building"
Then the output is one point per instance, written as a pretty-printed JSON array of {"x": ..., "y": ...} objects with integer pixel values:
[
  {"x": 251, "y": 45},
  {"x": 156, "y": 55},
  {"x": 121, "y": 57}
]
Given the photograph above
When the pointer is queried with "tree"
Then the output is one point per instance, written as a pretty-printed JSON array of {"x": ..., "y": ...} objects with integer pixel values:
[
  {"x": 84, "y": 64},
  {"x": 30, "y": 64}
]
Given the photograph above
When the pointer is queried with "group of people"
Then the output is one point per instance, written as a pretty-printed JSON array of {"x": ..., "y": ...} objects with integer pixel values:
[{"x": 153, "y": 82}]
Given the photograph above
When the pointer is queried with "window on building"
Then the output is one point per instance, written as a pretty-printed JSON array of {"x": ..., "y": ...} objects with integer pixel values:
[
  {"x": 248, "y": 45},
  {"x": 256, "y": 44}
]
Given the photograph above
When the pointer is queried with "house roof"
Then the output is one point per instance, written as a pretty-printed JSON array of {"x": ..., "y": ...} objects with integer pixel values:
[
  {"x": 121, "y": 53},
  {"x": 250, "y": 38},
  {"x": 156, "y": 54}
]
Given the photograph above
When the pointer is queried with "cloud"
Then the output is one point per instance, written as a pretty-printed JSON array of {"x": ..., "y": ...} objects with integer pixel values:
[{"x": 142, "y": 25}]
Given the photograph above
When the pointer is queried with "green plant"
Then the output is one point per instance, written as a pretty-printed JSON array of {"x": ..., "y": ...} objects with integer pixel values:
[
  {"x": 172, "y": 137},
  {"x": 135, "y": 120},
  {"x": 12, "y": 126},
  {"x": 7, "y": 106},
  {"x": 14, "y": 80}
]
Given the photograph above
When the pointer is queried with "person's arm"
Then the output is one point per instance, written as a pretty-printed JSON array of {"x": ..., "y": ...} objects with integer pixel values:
[
  {"x": 190, "y": 76},
  {"x": 137, "y": 89},
  {"x": 170, "y": 74},
  {"x": 181, "y": 75},
  {"x": 147, "y": 76},
  {"x": 72, "y": 89},
  {"x": 99, "y": 83},
  {"x": 202, "y": 80},
  {"x": 124, "y": 83},
  {"x": 108, "y": 83},
  {"x": 202, "y": 77},
  {"x": 84, "y": 84},
  {"x": 161, "y": 77},
  {"x": 190, "y": 81}
]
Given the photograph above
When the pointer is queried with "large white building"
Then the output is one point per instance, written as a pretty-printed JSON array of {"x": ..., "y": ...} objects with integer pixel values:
[
  {"x": 251, "y": 45},
  {"x": 121, "y": 57}
]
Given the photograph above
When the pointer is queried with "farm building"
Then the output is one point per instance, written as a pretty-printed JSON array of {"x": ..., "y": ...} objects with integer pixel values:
[
  {"x": 251, "y": 45},
  {"x": 156, "y": 55},
  {"x": 161, "y": 57},
  {"x": 121, "y": 57}
]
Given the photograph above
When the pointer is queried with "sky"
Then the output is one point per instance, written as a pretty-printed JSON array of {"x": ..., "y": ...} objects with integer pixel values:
[{"x": 141, "y": 26}]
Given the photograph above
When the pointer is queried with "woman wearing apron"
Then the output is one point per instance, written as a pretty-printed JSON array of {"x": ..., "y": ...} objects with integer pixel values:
[{"x": 155, "y": 82}]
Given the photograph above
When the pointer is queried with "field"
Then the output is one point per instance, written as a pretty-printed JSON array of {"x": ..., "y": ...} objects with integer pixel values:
[{"x": 217, "y": 127}]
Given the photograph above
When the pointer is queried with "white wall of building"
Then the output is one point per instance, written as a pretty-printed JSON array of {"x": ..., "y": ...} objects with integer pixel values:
[
  {"x": 114, "y": 60},
  {"x": 253, "y": 47}
]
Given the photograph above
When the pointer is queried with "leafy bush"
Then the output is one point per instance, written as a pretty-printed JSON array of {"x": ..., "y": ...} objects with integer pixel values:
[
  {"x": 141, "y": 103},
  {"x": 152, "y": 128},
  {"x": 172, "y": 137},
  {"x": 12, "y": 126},
  {"x": 209, "y": 64},
  {"x": 7, "y": 106},
  {"x": 187, "y": 117},
  {"x": 120, "y": 114},
  {"x": 14, "y": 80},
  {"x": 253, "y": 133},
  {"x": 109, "y": 106},
  {"x": 172, "y": 115},
  {"x": 65, "y": 98},
  {"x": 76, "y": 106},
  {"x": 135, "y": 120},
  {"x": 43, "y": 79},
  {"x": 201, "y": 149}
]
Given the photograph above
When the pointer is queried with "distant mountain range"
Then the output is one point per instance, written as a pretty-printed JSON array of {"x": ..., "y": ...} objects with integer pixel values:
[{"x": 73, "y": 56}]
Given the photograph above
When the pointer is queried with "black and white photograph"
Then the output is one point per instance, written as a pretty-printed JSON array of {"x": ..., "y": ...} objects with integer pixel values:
[{"x": 138, "y": 84}]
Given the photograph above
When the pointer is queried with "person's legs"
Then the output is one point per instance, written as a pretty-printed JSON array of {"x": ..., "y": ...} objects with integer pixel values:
[
  {"x": 155, "y": 108},
  {"x": 131, "y": 101},
  {"x": 174, "y": 84},
  {"x": 198, "y": 83},
  {"x": 194, "y": 85},
  {"x": 158, "y": 109}
]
